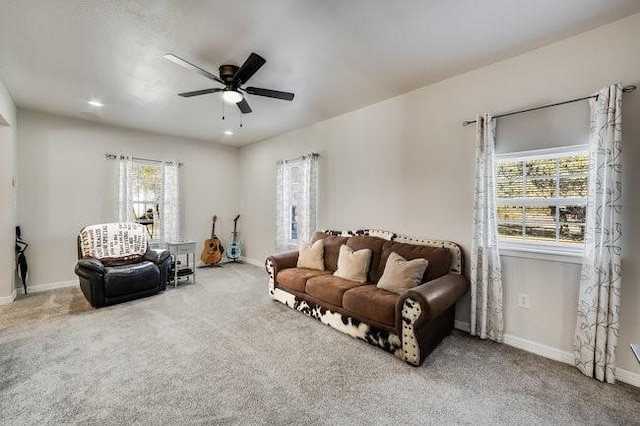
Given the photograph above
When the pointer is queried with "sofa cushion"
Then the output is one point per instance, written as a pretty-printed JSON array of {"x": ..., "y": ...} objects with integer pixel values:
[
  {"x": 439, "y": 258},
  {"x": 329, "y": 288},
  {"x": 353, "y": 265},
  {"x": 130, "y": 279},
  {"x": 311, "y": 255},
  {"x": 296, "y": 278},
  {"x": 372, "y": 303},
  {"x": 375, "y": 244},
  {"x": 318, "y": 235},
  {"x": 401, "y": 274},
  {"x": 332, "y": 244}
]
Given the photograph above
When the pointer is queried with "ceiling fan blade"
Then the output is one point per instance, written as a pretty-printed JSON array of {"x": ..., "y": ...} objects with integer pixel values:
[
  {"x": 249, "y": 68},
  {"x": 173, "y": 58},
  {"x": 199, "y": 92},
  {"x": 270, "y": 93},
  {"x": 244, "y": 106}
]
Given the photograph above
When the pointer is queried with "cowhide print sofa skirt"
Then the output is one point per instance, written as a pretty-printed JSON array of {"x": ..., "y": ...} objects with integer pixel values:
[{"x": 409, "y": 325}]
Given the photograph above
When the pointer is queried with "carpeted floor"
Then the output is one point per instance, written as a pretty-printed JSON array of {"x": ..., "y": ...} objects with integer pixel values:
[
  {"x": 39, "y": 307},
  {"x": 221, "y": 352}
]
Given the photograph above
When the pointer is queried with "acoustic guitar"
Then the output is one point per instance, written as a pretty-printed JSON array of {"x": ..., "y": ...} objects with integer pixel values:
[
  {"x": 212, "y": 251},
  {"x": 233, "y": 249}
]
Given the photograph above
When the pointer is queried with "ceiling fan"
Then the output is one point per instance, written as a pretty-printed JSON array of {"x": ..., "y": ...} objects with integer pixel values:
[{"x": 233, "y": 78}]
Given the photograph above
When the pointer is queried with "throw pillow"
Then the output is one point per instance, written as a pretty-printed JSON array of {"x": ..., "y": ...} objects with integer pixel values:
[
  {"x": 439, "y": 257},
  {"x": 311, "y": 256},
  {"x": 353, "y": 265},
  {"x": 401, "y": 274}
]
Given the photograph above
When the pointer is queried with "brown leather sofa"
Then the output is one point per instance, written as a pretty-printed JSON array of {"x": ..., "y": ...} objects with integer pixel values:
[{"x": 408, "y": 325}]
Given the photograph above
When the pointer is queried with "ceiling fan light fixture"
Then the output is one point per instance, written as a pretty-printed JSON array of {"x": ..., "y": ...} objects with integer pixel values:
[
  {"x": 232, "y": 77},
  {"x": 232, "y": 96}
]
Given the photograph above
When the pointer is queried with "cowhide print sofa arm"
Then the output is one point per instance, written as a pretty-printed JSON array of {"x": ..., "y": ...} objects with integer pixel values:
[{"x": 426, "y": 314}]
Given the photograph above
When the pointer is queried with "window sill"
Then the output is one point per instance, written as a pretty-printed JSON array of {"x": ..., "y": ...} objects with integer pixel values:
[
  {"x": 293, "y": 245},
  {"x": 553, "y": 254}
]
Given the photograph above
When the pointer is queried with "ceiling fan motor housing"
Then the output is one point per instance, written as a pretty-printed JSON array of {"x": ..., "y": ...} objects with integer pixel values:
[{"x": 227, "y": 72}]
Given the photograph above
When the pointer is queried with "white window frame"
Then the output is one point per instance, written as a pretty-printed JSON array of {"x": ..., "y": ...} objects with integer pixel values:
[{"x": 556, "y": 251}]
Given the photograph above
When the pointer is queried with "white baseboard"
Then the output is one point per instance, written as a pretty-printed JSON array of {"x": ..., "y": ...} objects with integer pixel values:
[
  {"x": 49, "y": 286},
  {"x": 539, "y": 349},
  {"x": 552, "y": 353},
  {"x": 5, "y": 300},
  {"x": 462, "y": 326},
  {"x": 628, "y": 377},
  {"x": 252, "y": 262}
]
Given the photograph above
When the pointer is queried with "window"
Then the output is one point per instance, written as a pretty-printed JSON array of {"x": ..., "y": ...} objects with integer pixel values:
[
  {"x": 296, "y": 201},
  {"x": 146, "y": 196},
  {"x": 294, "y": 224},
  {"x": 147, "y": 193},
  {"x": 542, "y": 198}
]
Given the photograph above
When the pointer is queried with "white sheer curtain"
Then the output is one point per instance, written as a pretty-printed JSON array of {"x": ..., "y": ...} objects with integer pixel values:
[
  {"x": 486, "y": 274},
  {"x": 599, "y": 299},
  {"x": 125, "y": 175},
  {"x": 297, "y": 186},
  {"x": 170, "y": 205}
]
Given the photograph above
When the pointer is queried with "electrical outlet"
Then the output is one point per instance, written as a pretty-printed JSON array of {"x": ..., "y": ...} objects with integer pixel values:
[{"x": 523, "y": 300}]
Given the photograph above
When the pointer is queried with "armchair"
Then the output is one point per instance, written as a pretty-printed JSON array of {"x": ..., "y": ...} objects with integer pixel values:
[{"x": 115, "y": 264}]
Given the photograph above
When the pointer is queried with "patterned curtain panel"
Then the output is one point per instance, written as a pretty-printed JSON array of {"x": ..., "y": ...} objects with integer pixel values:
[
  {"x": 296, "y": 201},
  {"x": 283, "y": 195},
  {"x": 170, "y": 206},
  {"x": 486, "y": 275},
  {"x": 125, "y": 177},
  {"x": 599, "y": 299},
  {"x": 308, "y": 222}
]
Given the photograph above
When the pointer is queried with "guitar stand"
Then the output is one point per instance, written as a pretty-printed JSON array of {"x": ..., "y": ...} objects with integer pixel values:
[
  {"x": 210, "y": 265},
  {"x": 220, "y": 264}
]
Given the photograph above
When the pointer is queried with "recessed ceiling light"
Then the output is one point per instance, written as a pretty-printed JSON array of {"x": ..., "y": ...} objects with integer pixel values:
[
  {"x": 95, "y": 103},
  {"x": 228, "y": 132}
]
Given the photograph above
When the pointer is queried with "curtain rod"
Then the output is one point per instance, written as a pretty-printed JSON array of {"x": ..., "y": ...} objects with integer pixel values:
[
  {"x": 109, "y": 156},
  {"x": 302, "y": 157},
  {"x": 627, "y": 89}
]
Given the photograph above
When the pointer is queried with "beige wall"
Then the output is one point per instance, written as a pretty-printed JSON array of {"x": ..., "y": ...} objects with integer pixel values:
[
  {"x": 406, "y": 164},
  {"x": 65, "y": 183},
  {"x": 7, "y": 193}
]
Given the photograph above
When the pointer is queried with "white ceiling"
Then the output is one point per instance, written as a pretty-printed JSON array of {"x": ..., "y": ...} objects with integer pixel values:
[{"x": 336, "y": 55}]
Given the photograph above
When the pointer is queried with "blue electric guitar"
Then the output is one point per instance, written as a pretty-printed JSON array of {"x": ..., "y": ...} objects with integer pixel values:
[{"x": 233, "y": 249}]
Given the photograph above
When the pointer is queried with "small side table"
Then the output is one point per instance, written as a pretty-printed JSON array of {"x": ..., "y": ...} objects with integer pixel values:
[{"x": 186, "y": 248}]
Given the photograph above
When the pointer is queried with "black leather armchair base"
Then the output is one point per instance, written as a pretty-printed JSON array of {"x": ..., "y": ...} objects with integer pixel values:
[{"x": 107, "y": 285}]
